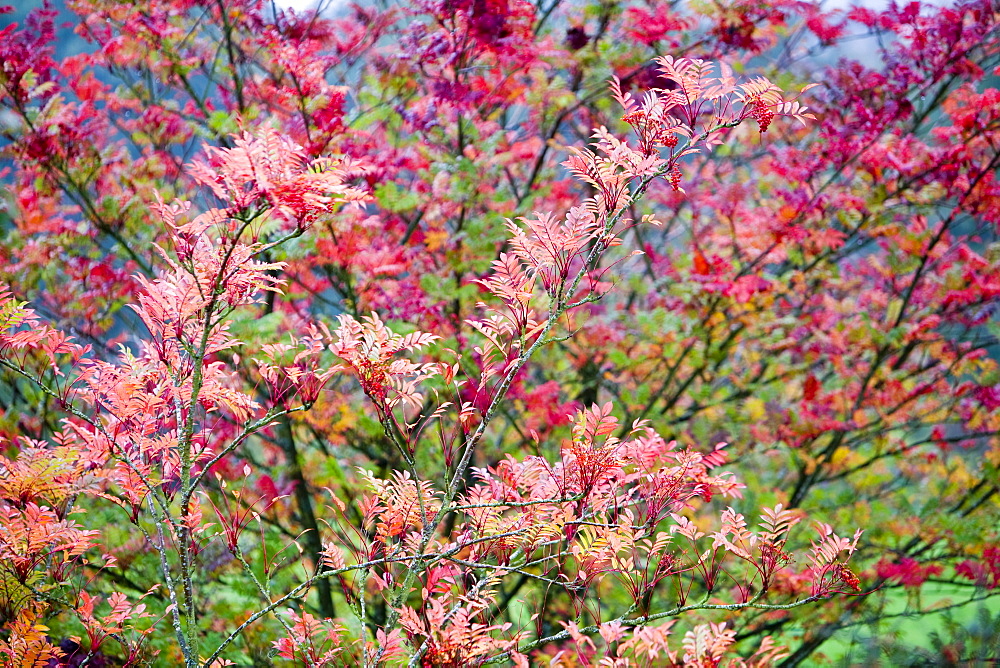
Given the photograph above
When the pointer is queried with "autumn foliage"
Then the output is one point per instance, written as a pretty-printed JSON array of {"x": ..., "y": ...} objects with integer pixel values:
[{"x": 495, "y": 332}]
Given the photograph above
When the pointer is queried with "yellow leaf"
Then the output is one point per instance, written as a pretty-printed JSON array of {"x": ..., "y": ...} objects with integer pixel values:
[
  {"x": 754, "y": 408},
  {"x": 892, "y": 311},
  {"x": 435, "y": 239}
]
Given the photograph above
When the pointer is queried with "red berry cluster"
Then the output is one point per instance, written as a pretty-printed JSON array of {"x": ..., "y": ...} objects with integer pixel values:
[
  {"x": 651, "y": 132},
  {"x": 675, "y": 178},
  {"x": 842, "y": 575},
  {"x": 667, "y": 138},
  {"x": 761, "y": 112},
  {"x": 633, "y": 118}
]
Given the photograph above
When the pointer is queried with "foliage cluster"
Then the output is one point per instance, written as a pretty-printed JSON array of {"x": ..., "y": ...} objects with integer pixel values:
[{"x": 465, "y": 332}]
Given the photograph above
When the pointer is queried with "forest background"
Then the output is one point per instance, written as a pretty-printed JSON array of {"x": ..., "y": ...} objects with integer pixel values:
[{"x": 340, "y": 410}]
